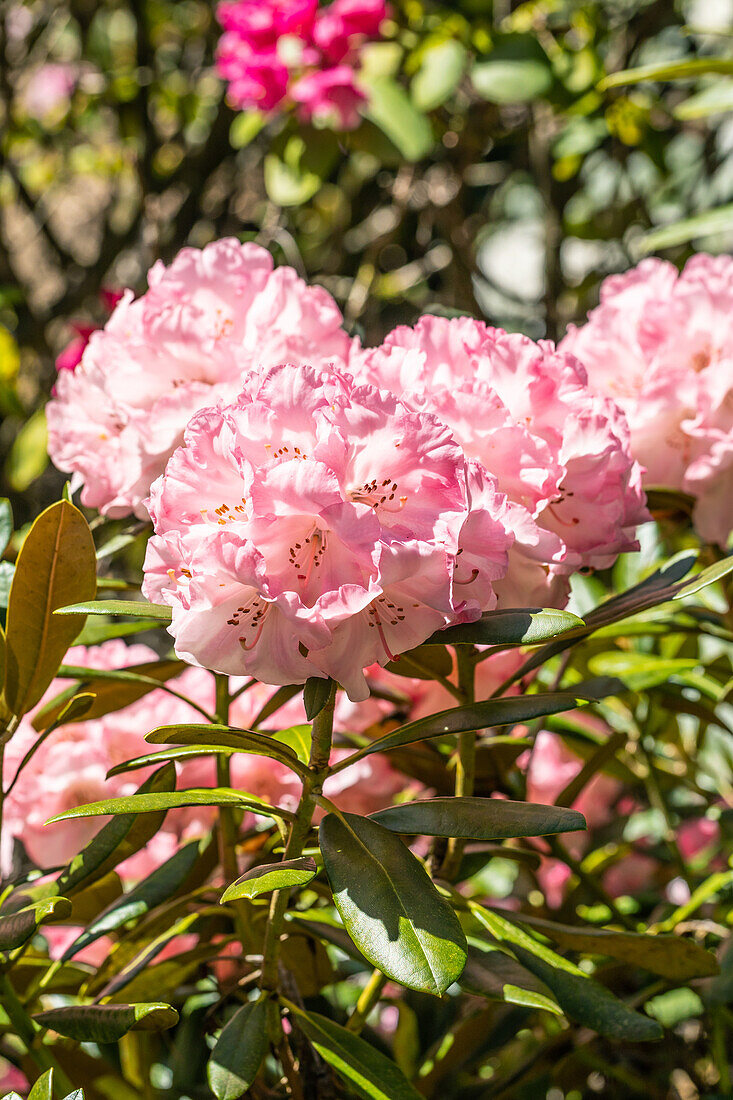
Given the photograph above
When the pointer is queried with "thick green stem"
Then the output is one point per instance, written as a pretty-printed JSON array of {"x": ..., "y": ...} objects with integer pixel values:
[
  {"x": 312, "y": 784},
  {"x": 368, "y": 998},
  {"x": 465, "y": 758},
  {"x": 29, "y": 1033}
]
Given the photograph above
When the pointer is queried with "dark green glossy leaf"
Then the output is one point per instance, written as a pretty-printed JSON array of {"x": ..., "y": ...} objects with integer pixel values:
[
  {"x": 478, "y": 818},
  {"x": 389, "y": 905},
  {"x": 513, "y": 626},
  {"x": 173, "y": 800},
  {"x": 239, "y": 1051},
  {"x": 491, "y": 973},
  {"x": 315, "y": 695},
  {"x": 271, "y": 876},
  {"x": 113, "y": 689},
  {"x": 423, "y": 663},
  {"x": 357, "y": 1062},
  {"x": 589, "y": 1003},
  {"x": 137, "y": 609},
  {"x": 107, "y": 1023},
  {"x": 473, "y": 716},
  {"x": 671, "y": 957},
  {"x": 225, "y": 737},
  {"x": 159, "y": 886},
  {"x": 17, "y": 928},
  {"x": 56, "y": 566}
]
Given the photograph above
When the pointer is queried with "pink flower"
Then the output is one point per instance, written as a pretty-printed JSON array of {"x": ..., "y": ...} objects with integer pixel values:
[
  {"x": 47, "y": 94},
  {"x": 661, "y": 345},
  {"x": 330, "y": 96},
  {"x": 293, "y": 51},
  {"x": 205, "y": 321},
  {"x": 11, "y": 1079},
  {"x": 317, "y": 527},
  {"x": 524, "y": 410}
]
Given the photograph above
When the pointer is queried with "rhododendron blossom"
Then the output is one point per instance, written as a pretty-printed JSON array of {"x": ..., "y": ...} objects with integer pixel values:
[
  {"x": 296, "y": 51},
  {"x": 316, "y": 527},
  {"x": 661, "y": 344},
  {"x": 524, "y": 410},
  {"x": 205, "y": 321}
]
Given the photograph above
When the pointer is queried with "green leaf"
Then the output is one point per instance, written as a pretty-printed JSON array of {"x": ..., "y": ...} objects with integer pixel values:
[
  {"x": 226, "y": 737},
  {"x": 7, "y": 572},
  {"x": 271, "y": 876},
  {"x": 28, "y": 456},
  {"x": 517, "y": 71},
  {"x": 513, "y": 626},
  {"x": 245, "y": 128},
  {"x": 297, "y": 738},
  {"x": 119, "y": 839},
  {"x": 278, "y": 699},
  {"x": 173, "y": 800},
  {"x": 389, "y": 905},
  {"x": 316, "y": 694},
  {"x": 138, "y": 609},
  {"x": 671, "y": 957},
  {"x": 17, "y": 928},
  {"x": 107, "y": 1023},
  {"x": 668, "y": 70},
  {"x": 357, "y": 1062},
  {"x": 158, "y": 887},
  {"x": 392, "y": 111},
  {"x": 239, "y": 1052},
  {"x": 98, "y": 629},
  {"x": 426, "y": 662},
  {"x": 589, "y": 1003},
  {"x": 707, "y": 224},
  {"x": 297, "y": 165},
  {"x": 113, "y": 689},
  {"x": 478, "y": 818},
  {"x": 439, "y": 74},
  {"x": 708, "y": 576},
  {"x": 43, "y": 1088},
  {"x": 473, "y": 716},
  {"x": 6, "y": 523},
  {"x": 716, "y": 98},
  {"x": 640, "y": 671},
  {"x": 56, "y": 566},
  {"x": 492, "y": 973}
]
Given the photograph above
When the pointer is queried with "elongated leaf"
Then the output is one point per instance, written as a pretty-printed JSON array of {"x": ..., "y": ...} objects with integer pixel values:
[
  {"x": 423, "y": 663},
  {"x": 473, "y": 716},
  {"x": 113, "y": 689},
  {"x": 278, "y": 699},
  {"x": 56, "y": 566},
  {"x": 271, "y": 876},
  {"x": 226, "y": 737},
  {"x": 439, "y": 74},
  {"x": 43, "y": 1088},
  {"x": 668, "y": 70},
  {"x": 17, "y": 928},
  {"x": 173, "y": 800},
  {"x": 478, "y": 818},
  {"x": 239, "y": 1051},
  {"x": 137, "y": 609},
  {"x": 640, "y": 671},
  {"x": 589, "y": 1003},
  {"x": 713, "y": 573},
  {"x": 98, "y": 629},
  {"x": 671, "y": 957},
  {"x": 491, "y": 973},
  {"x": 315, "y": 695},
  {"x": 391, "y": 109},
  {"x": 159, "y": 886},
  {"x": 513, "y": 626},
  {"x": 119, "y": 839},
  {"x": 107, "y": 1023},
  {"x": 182, "y": 752},
  {"x": 389, "y": 905},
  {"x": 357, "y": 1062}
]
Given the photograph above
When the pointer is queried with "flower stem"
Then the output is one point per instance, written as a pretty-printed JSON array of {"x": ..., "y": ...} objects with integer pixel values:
[
  {"x": 368, "y": 998},
  {"x": 312, "y": 784},
  {"x": 465, "y": 759}
]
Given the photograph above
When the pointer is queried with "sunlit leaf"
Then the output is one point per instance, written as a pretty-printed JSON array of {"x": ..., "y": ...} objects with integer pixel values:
[
  {"x": 107, "y": 1023},
  {"x": 271, "y": 876},
  {"x": 238, "y": 1053},
  {"x": 478, "y": 818}
]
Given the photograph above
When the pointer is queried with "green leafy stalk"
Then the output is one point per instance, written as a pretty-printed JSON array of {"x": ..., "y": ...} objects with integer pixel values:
[
  {"x": 320, "y": 753},
  {"x": 465, "y": 757}
]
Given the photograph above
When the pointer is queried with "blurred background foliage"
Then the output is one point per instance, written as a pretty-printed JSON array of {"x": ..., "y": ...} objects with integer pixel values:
[{"x": 503, "y": 168}]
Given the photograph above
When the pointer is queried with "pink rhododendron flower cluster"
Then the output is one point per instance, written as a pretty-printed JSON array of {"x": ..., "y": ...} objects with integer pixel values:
[
  {"x": 296, "y": 51},
  {"x": 315, "y": 527},
  {"x": 205, "y": 320},
  {"x": 661, "y": 345},
  {"x": 524, "y": 410}
]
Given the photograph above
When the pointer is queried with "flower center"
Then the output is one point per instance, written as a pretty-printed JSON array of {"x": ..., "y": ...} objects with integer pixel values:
[{"x": 379, "y": 495}]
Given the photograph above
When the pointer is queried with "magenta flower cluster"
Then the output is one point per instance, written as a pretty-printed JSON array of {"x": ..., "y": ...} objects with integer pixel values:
[
  {"x": 320, "y": 507},
  {"x": 293, "y": 52}
]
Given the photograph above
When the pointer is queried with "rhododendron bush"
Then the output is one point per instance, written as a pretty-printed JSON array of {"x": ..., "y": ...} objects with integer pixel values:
[{"x": 367, "y": 557}]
